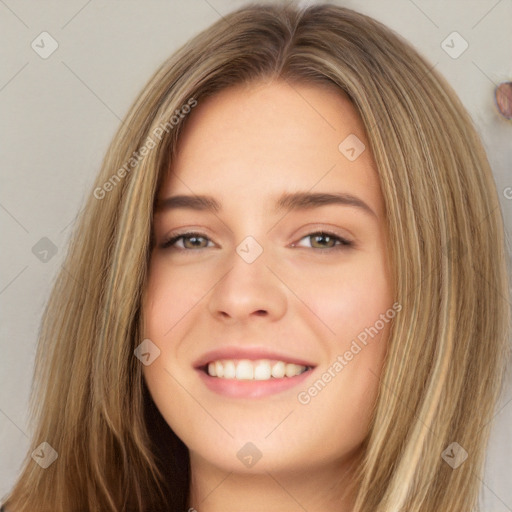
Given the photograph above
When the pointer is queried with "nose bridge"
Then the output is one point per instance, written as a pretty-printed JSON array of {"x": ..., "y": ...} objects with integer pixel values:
[
  {"x": 249, "y": 263},
  {"x": 248, "y": 287}
]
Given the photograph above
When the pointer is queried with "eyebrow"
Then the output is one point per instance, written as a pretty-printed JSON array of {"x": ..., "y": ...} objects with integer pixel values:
[{"x": 287, "y": 201}]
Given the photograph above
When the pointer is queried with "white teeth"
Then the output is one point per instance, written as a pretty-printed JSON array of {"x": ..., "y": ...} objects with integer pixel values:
[
  {"x": 229, "y": 370},
  {"x": 262, "y": 369},
  {"x": 244, "y": 370},
  {"x": 292, "y": 369},
  {"x": 278, "y": 370}
]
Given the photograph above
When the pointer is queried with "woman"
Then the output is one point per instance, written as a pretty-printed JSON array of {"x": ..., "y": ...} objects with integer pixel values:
[{"x": 277, "y": 293}]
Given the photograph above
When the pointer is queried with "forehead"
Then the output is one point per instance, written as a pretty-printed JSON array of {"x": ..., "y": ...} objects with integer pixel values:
[{"x": 254, "y": 140}]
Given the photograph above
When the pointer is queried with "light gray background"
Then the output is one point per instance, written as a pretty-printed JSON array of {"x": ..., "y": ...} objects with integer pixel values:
[{"x": 59, "y": 114}]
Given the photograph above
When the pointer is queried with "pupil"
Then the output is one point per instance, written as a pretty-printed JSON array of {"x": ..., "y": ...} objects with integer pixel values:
[
  {"x": 326, "y": 239},
  {"x": 194, "y": 240}
]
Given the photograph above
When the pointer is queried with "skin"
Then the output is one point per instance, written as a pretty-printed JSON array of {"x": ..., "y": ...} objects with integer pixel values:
[{"x": 245, "y": 146}]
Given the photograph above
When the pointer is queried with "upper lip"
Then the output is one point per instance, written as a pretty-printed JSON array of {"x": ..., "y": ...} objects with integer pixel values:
[{"x": 250, "y": 353}]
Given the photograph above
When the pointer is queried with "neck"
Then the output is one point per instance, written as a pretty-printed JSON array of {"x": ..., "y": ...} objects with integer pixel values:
[{"x": 313, "y": 489}]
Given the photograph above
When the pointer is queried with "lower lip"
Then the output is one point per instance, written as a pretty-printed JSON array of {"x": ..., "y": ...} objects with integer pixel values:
[{"x": 235, "y": 388}]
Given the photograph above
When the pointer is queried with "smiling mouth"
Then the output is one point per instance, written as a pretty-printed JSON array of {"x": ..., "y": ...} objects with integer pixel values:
[{"x": 259, "y": 370}]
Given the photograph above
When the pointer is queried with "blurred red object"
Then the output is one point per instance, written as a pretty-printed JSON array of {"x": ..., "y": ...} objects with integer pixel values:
[{"x": 504, "y": 99}]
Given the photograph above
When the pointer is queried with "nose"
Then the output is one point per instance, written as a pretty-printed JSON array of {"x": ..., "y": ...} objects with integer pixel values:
[{"x": 248, "y": 290}]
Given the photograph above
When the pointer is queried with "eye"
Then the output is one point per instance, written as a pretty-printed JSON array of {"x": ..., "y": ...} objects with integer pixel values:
[
  {"x": 189, "y": 241},
  {"x": 319, "y": 240},
  {"x": 324, "y": 240}
]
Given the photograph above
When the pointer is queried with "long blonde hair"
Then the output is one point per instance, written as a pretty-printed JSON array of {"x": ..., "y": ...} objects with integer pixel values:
[{"x": 445, "y": 365}]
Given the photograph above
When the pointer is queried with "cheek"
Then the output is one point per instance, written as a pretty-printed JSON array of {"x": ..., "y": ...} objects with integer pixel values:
[
  {"x": 356, "y": 304},
  {"x": 345, "y": 391},
  {"x": 349, "y": 299},
  {"x": 171, "y": 294}
]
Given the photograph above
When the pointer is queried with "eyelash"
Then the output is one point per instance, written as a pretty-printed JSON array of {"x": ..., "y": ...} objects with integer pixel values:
[{"x": 343, "y": 245}]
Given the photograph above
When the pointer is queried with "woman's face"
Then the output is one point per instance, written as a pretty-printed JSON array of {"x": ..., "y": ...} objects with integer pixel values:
[{"x": 286, "y": 270}]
